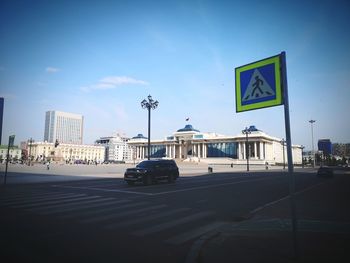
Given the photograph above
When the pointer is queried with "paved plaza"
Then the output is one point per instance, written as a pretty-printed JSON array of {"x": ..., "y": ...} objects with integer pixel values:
[{"x": 19, "y": 173}]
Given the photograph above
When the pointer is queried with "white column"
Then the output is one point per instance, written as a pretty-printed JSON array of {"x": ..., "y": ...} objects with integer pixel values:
[
  {"x": 261, "y": 151},
  {"x": 255, "y": 150},
  {"x": 180, "y": 150},
  {"x": 239, "y": 150},
  {"x": 199, "y": 151},
  {"x": 244, "y": 150}
]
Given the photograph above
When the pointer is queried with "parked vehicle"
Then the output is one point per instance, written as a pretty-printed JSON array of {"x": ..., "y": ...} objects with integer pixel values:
[
  {"x": 151, "y": 171},
  {"x": 325, "y": 171}
]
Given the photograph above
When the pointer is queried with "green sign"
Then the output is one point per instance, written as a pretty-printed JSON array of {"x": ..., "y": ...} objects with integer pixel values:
[{"x": 258, "y": 85}]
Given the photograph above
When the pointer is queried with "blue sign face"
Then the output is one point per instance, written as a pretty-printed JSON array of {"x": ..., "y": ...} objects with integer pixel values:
[{"x": 258, "y": 85}]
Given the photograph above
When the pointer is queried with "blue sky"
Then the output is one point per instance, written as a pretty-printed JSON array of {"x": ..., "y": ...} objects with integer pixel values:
[{"x": 102, "y": 58}]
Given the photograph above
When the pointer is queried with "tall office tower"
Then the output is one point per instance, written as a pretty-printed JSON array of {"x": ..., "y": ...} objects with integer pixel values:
[
  {"x": 1, "y": 116},
  {"x": 63, "y": 127}
]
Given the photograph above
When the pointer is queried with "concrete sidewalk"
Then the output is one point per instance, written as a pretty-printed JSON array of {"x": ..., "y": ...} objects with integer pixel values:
[{"x": 323, "y": 230}]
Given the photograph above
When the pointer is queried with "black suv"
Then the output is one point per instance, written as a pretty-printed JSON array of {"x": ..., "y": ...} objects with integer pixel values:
[{"x": 150, "y": 171}]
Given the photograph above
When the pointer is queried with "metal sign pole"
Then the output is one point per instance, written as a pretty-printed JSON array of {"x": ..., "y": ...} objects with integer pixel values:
[
  {"x": 10, "y": 144},
  {"x": 289, "y": 152}
]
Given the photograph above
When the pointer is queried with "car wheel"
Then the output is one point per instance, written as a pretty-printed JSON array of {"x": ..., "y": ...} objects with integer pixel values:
[
  {"x": 147, "y": 180},
  {"x": 171, "y": 178}
]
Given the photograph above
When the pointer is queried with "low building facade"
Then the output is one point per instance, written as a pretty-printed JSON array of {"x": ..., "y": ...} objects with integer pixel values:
[
  {"x": 42, "y": 151},
  {"x": 15, "y": 153}
]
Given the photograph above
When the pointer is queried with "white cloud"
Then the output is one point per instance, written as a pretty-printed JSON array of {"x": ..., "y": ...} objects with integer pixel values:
[
  {"x": 112, "y": 82},
  {"x": 52, "y": 70}
]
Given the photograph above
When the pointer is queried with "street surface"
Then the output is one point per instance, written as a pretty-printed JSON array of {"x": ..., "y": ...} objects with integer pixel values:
[{"x": 99, "y": 218}]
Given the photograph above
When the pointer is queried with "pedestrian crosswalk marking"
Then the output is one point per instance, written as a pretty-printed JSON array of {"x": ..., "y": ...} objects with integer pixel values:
[
  {"x": 146, "y": 218},
  {"x": 49, "y": 201},
  {"x": 170, "y": 224},
  {"x": 80, "y": 210},
  {"x": 72, "y": 202},
  {"x": 26, "y": 197},
  {"x": 122, "y": 214},
  {"x": 77, "y": 206},
  {"x": 108, "y": 209},
  {"x": 184, "y": 237}
]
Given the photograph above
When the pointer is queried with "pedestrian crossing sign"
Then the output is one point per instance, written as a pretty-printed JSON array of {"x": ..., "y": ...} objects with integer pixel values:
[{"x": 258, "y": 85}]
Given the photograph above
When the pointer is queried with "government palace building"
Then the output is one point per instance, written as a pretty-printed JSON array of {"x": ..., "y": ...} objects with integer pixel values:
[{"x": 189, "y": 144}]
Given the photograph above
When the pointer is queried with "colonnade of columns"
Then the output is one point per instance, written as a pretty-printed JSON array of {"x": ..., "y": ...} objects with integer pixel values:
[
  {"x": 256, "y": 150},
  {"x": 141, "y": 152}
]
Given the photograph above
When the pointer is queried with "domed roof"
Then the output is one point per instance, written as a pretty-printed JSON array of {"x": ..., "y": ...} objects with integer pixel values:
[
  {"x": 187, "y": 128},
  {"x": 139, "y": 136},
  {"x": 253, "y": 128}
]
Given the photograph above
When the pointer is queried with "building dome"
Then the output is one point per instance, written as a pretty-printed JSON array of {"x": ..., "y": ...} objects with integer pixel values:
[
  {"x": 139, "y": 136},
  {"x": 188, "y": 128}
]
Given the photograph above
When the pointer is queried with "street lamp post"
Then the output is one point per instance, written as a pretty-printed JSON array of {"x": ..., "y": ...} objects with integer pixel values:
[
  {"x": 30, "y": 150},
  {"x": 283, "y": 141},
  {"x": 312, "y": 138},
  {"x": 246, "y": 131},
  {"x": 150, "y": 104},
  {"x": 302, "y": 156}
]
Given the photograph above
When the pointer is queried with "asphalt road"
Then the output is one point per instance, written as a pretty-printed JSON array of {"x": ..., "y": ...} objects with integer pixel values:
[{"x": 105, "y": 220}]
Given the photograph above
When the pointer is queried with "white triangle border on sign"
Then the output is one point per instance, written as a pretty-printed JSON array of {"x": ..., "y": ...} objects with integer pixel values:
[{"x": 266, "y": 89}]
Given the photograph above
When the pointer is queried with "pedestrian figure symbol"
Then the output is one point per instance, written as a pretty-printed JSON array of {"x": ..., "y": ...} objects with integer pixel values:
[{"x": 257, "y": 88}]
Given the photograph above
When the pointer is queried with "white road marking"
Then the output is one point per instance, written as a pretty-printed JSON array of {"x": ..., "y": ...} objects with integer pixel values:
[
  {"x": 30, "y": 199},
  {"x": 146, "y": 218},
  {"x": 118, "y": 215},
  {"x": 103, "y": 189},
  {"x": 283, "y": 198},
  {"x": 108, "y": 209},
  {"x": 182, "y": 238},
  {"x": 75, "y": 201},
  {"x": 78, "y": 206},
  {"x": 50, "y": 201},
  {"x": 166, "y": 192},
  {"x": 170, "y": 224}
]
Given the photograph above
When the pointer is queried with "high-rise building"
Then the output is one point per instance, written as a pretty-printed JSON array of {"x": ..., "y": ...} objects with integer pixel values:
[
  {"x": 1, "y": 116},
  {"x": 64, "y": 127}
]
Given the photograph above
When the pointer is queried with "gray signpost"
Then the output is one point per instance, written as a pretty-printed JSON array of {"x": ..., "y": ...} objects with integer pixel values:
[
  {"x": 264, "y": 84},
  {"x": 10, "y": 145}
]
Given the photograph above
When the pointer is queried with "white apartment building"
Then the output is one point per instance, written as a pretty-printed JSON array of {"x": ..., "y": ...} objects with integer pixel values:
[
  {"x": 116, "y": 148},
  {"x": 66, "y": 152},
  {"x": 64, "y": 127}
]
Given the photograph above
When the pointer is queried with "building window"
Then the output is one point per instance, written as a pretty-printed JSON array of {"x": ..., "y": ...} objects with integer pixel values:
[{"x": 228, "y": 149}]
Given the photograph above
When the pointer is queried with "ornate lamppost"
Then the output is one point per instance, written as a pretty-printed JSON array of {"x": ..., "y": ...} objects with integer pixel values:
[
  {"x": 150, "y": 104},
  {"x": 246, "y": 131}
]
